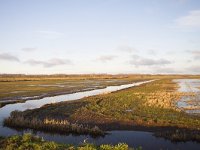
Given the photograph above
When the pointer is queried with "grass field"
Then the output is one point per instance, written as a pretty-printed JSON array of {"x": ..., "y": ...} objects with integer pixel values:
[{"x": 150, "y": 106}]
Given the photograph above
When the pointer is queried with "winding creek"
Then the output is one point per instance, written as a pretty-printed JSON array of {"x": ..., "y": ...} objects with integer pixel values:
[{"x": 132, "y": 138}]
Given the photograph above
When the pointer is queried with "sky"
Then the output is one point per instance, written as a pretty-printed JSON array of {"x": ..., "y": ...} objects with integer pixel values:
[{"x": 100, "y": 36}]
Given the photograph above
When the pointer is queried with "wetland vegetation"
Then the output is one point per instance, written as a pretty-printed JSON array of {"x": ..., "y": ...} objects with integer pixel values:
[
  {"x": 148, "y": 107},
  {"x": 30, "y": 142},
  {"x": 15, "y": 88}
]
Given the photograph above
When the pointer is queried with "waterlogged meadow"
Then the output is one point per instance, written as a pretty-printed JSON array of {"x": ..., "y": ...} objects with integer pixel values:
[
  {"x": 151, "y": 106},
  {"x": 15, "y": 88},
  {"x": 146, "y": 110}
]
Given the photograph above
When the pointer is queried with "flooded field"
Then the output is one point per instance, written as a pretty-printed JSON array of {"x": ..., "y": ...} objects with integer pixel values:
[
  {"x": 12, "y": 89},
  {"x": 191, "y": 102}
]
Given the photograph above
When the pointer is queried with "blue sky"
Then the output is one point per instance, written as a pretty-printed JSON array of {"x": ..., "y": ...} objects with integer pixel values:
[{"x": 99, "y": 36}]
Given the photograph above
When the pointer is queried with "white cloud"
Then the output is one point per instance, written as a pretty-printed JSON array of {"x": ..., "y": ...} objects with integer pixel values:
[
  {"x": 195, "y": 53},
  {"x": 152, "y": 52},
  {"x": 106, "y": 58},
  {"x": 194, "y": 69},
  {"x": 140, "y": 61},
  {"x": 167, "y": 70},
  {"x": 49, "y": 63},
  {"x": 8, "y": 57},
  {"x": 190, "y": 21},
  {"x": 125, "y": 48}
]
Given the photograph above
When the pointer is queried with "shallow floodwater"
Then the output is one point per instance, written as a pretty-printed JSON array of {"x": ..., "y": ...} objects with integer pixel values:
[
  {"x": 191, "y": 104},
  {"x": 132, "y": 138}
]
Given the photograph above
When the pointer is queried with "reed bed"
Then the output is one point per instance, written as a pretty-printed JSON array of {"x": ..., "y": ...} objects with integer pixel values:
[{"x": 18, "y": 120}]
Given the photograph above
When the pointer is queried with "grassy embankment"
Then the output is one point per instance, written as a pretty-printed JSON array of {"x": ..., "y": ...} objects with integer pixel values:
[
  {"x": 29, "y": 142},
  {"x": 147, "y": 107},
  {"x": 20, "y": 87}
]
